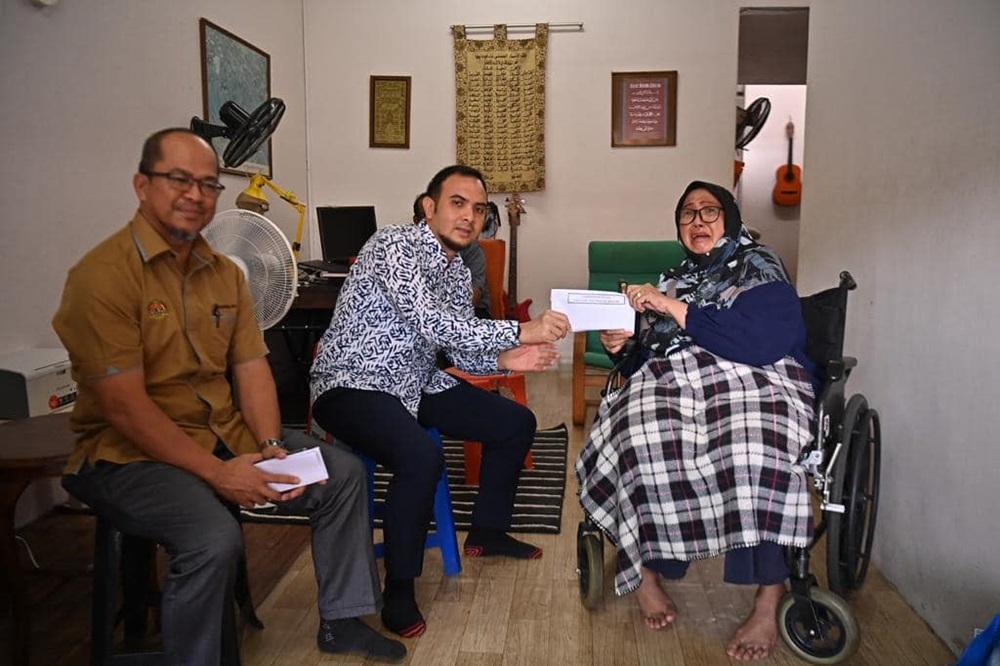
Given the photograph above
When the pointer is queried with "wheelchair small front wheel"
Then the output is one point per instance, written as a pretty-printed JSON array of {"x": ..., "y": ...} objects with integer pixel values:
[
  {"x": 820, "y": 630},
  {"x": 590, "y": 567}
]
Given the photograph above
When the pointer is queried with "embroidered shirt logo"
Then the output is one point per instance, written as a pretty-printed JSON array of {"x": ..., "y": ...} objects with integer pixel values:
[{"x": 157, "y": 309}]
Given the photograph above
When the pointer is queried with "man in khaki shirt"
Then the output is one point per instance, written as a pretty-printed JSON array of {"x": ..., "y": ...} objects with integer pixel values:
[{"x": 153, "y": 320}]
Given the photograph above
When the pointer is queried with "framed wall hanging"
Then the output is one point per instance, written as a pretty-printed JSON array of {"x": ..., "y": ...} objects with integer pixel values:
[{"x": 643, "y": 109}]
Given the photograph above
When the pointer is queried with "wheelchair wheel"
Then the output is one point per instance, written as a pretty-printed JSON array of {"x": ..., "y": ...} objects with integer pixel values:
[
  {"x": 862, "y": 501},
  {"x": 837, "y": 571},
  {"x": 590, "y": 565},
  {"x": 822, "y": 630}
]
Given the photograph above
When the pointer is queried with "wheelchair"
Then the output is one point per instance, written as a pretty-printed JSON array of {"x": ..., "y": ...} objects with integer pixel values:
[{"x": 844, "y": 464}]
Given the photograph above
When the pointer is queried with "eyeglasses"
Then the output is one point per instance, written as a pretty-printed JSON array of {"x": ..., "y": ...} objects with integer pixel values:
[
  {"x": 182, "y": 182},
  {"x": 708, "y": 214}
]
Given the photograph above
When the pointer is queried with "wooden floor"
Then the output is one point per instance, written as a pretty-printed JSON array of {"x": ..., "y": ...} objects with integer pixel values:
[{"x": 503, "y": 612}]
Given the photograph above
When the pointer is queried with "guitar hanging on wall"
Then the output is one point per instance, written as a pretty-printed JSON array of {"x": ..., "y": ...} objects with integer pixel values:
[
  {"x": 515, "y": 310},
  {"x": 788, "y": 178}
]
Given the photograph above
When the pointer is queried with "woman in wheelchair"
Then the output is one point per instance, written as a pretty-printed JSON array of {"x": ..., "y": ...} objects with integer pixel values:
[{"x": 695, "y": 454}]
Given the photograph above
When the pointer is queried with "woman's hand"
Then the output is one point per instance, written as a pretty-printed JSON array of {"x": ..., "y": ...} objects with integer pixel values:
[
  {"x": 644, "y": 297},
  {"x": 613, "y": 341}
]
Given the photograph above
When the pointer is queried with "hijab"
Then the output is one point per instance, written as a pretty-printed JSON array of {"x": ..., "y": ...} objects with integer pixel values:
[{"x": 736, "y": 263}]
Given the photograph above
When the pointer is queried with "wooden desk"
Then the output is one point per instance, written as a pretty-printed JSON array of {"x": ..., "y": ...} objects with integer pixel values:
[
  {"x": 29, "y": 449},
  {"x": 291, "y": 342}
]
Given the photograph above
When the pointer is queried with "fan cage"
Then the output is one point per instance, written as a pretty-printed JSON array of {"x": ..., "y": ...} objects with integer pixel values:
[{"x": 264, "y": 255}]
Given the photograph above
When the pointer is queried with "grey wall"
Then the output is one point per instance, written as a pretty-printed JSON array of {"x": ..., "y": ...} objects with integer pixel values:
[{"x": 903, "y": 148}]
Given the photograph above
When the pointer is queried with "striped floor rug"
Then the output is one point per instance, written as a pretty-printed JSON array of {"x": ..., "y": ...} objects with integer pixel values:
[{"x": 538, "y": 503}]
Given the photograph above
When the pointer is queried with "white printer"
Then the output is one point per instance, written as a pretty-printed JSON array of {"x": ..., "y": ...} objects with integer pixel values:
[{"x": 34, "y": 382}]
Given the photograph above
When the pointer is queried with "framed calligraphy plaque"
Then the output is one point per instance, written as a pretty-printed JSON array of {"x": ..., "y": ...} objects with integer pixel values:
[
  {"x": 389, "y": 112},
  {"x": 643, "y": 109}
]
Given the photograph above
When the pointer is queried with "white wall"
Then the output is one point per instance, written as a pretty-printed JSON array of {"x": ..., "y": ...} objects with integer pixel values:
[
  {"x": 778, "y": 225},
  {"x": 83, "y": 85},
  {"x": 593, "y": 191},
  {"x": 903, "y": 150}
]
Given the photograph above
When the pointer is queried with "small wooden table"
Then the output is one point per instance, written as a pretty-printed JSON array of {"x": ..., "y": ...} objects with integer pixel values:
[{"x": 29, "y": 449}]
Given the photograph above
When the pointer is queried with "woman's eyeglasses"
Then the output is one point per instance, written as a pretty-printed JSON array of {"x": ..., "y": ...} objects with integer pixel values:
[{"x": 708, "y": 214}]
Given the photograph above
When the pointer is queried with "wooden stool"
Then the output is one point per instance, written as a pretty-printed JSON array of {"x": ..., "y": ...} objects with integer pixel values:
[
  {"x": 474, "y": 450},
  {"x": 132, "y": 559}
]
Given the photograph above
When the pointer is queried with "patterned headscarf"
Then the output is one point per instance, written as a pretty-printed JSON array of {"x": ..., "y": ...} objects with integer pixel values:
[{"x": 736, "y": 263}]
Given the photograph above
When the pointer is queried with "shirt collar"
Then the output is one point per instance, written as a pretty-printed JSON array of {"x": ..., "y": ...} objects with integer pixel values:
[
  {"x": 151, "y": 244},
  {"x": 433, "y": 246}
]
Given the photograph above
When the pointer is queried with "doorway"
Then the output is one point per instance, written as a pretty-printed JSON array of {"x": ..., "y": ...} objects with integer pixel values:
[{"x": 773, "y": 46}]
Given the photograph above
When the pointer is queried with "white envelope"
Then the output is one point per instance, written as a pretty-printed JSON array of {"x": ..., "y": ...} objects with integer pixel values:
[
  {"x": 592, "y": 310},
  {"x": 306, "y": 464}
]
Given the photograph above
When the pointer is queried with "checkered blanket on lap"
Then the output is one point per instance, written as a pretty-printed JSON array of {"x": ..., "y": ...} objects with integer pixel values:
[{"x": 697, "y": 455}]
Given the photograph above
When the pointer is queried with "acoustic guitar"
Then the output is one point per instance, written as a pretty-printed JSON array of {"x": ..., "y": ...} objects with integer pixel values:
[
  {"x": 515, "y": 310},
  {"x": 788, "y": 178}
]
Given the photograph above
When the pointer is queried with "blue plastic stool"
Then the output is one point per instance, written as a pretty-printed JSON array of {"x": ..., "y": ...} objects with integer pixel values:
[{"x": 444, "y": 537}]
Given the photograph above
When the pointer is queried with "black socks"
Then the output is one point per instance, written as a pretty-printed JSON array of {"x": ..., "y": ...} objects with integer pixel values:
[
  {"x": 400, "y": 614},
  {"x": 484, "y": 542},
  {"x": 353, "y": 635}
]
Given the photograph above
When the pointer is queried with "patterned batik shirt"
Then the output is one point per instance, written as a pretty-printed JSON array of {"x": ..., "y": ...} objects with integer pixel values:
[{"x": 401, "y": 303}]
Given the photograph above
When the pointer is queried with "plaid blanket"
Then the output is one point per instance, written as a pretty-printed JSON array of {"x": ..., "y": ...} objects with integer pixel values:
[{"x": 697, "y": 455}]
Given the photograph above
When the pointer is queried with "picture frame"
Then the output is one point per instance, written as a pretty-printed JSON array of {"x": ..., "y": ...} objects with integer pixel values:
[
  {"x": 389, "y": 112},
  {"x": 234, "y": 69},
  {"x": 643, "y": 109}
]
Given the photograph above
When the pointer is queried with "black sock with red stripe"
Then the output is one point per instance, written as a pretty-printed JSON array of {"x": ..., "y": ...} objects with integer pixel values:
[
  {"x": 400, "y": 614},
  {"x": 486, "y": 542}
]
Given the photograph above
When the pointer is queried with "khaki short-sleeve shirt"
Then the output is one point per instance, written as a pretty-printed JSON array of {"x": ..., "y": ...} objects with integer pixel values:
[{"x": 128, "y": 305}]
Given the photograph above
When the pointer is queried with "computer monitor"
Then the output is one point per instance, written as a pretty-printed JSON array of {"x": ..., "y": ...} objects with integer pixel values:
[{"x": 343, "y": 230}]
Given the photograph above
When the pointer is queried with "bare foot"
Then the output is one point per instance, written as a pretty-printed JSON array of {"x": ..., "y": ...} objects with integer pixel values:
[
  {"x": 658, "y": 610},
  {"x": 755, "y": 638}
]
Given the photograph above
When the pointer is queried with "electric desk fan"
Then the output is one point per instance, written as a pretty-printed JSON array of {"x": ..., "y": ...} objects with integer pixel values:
[{"x": 262, "y": 252}]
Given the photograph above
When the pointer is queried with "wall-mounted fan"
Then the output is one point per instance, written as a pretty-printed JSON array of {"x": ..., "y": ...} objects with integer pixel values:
[
  {"x": 749, "y": 122},
  {"x": 245, "y": 131},
  {"x": 260, "y": 249}
]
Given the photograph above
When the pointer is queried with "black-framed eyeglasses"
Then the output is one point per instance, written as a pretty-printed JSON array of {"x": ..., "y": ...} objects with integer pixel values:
[
  {"x": 708, "y": 214},
  {"x": 209, "y": 187}
]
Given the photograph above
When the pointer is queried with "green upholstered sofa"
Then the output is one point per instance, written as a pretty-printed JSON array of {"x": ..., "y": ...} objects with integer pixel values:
[{"x": 608, "y": 262}]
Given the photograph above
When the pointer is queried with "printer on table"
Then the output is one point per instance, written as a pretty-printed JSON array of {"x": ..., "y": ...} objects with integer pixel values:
[{"x": 34, "y": 382}]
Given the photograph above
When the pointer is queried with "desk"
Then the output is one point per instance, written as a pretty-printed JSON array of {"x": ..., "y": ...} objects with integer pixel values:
[
  {"x": 291, "y": 342},
  {"x": 29, "y": 449}
]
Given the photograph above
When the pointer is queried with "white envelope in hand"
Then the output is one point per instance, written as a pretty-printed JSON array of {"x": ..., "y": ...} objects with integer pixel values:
[
  {"x": 306, "y": 464},
  {"x": 593, "y": 310}
]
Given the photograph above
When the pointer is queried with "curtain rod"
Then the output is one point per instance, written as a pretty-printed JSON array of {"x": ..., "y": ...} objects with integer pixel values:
[{"x": 576, "y": 26}]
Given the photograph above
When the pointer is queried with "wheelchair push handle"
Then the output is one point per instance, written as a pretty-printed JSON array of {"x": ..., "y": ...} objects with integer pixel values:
[{"x": 847, "y": 281}]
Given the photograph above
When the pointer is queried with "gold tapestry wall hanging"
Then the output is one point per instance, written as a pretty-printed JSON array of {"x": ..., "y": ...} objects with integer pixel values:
[{"x": 500, "y": 107}]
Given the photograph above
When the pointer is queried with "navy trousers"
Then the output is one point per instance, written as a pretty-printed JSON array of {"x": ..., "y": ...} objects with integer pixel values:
[{"x": 377, "y": 425}]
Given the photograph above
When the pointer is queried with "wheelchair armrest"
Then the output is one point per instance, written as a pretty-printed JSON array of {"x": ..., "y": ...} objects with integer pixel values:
[{"x": 840, "y": 367}]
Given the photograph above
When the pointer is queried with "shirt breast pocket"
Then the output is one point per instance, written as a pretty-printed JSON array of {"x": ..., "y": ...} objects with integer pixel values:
[{"x": 218, "y": 329}]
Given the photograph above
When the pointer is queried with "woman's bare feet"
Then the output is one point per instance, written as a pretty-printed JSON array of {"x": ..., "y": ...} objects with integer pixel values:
[
  {"x": 658, "y": 610},
  {"x": 755, "y": 638}
]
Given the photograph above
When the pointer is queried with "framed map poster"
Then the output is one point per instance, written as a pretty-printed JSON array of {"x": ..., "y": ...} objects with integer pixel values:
[
  {"x": 234, "y": 69},
  {"x": 643, "y": 109}
]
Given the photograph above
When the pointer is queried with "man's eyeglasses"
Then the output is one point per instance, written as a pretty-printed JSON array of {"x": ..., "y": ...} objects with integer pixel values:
[
  {"x": 182, "y": 182},
  {"x": 708, "y": 214}
]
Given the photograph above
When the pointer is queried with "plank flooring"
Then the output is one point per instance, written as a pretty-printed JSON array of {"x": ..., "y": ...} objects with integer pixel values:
[{"x": 505, "y": 613}]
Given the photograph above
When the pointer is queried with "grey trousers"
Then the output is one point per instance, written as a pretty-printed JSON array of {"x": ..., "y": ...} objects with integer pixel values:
[{"x": 168, "y": 505}]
